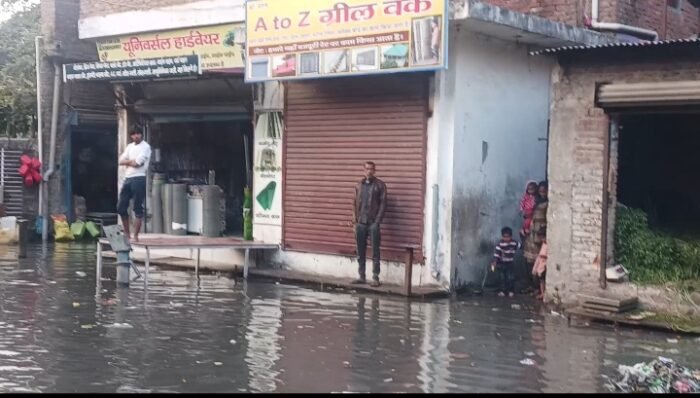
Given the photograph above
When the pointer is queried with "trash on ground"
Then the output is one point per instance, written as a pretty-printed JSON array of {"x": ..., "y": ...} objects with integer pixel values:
[
  {"x": 641, "y": 315},
  {"x": 389, "y": 380},
  {"x": 81, "y": 274},
  {"x": 347, "y": 364},
  {"x": 660, "y": 376},
  {"x": 529, "y": 354},
  {"x": 76, "y": 305},
  {"x": 515, "y": 306},
  {"x": 528, "y": 362},
  {"x": 672, "y": 341},
  {"x": 617, "y": 273},
  {"x": 232, "y": 341}
]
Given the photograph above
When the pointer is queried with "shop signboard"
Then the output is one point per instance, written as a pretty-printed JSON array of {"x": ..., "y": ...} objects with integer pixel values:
[
  {"x": 138, "y": 69},
  {"x": 267, "y": 180},
  {"x": 326, "y": 38},
  {"x": 220, "y": 47}
]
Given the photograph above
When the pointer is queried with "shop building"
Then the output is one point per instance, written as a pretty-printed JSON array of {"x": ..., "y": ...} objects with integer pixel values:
[
  {"x": 455, "y": 146},
  {"x": 623, "y": 132}
]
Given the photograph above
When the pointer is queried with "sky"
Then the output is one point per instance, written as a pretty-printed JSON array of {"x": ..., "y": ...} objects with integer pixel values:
[{"x": 5, "y": 13}]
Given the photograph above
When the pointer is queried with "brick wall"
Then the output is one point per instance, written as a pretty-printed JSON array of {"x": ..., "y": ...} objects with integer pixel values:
[
  {"x": 91, "y": 8},
  {"x": 576, "y": 163},
  {"x": 59, "y": 26},
  {"x": 647, "y": 14}
]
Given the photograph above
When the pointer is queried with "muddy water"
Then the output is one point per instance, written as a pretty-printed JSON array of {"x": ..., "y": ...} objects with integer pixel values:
[{"x": 58, "y": 333}]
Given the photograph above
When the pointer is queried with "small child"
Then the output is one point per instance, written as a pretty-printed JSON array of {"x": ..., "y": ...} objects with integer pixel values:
[
  {"x": 527, "y": 206},
  {"x": 503, "y": 261},
  {"x": 539, "y": 271}
]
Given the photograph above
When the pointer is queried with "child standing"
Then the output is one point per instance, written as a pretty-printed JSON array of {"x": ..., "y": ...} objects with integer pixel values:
[
  {"x": 503, "y": 261},
  {"x": 527, "y": 206},
  {"x": 539, "y": 271}
]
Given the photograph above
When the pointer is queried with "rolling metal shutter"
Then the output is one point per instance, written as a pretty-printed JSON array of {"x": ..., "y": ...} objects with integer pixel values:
[
  {"x": 625, "y": 95},
  {"x": 332, "y": 127},
  {"x": 14, "y": 186}
]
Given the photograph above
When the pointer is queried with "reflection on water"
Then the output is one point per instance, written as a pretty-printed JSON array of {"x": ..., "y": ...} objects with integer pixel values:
[{"x": 58, "y": 334}]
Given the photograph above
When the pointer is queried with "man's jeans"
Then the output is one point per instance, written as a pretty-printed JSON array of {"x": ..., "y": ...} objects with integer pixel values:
[{"x": 361, "y": 232}]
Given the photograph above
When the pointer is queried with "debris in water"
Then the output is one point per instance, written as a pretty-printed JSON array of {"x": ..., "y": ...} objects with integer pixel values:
[
  {"x": 402, "y": 341},
  {"x": 218, "y": 363},
  {"x": 389, "y": 380},
  {"x": 110, "y": 302},
  {"x": 529, "y": 354},
  {"x": 119, "y": 326},
  {"x": 672, "y": 341},
  {"x": 528, "y": 362},
  {"x": 232, "y": 341},
  {"x": 347, "y": 364},
  {"x": 458, "y": 355},
  {"x": 556, "y": 313},
  {"x": 81, "y": 274},
  {"x": 87, "y": 326},
  {"x": 515, "y": 306},
  {"x": 660, "y": 376},
  {"x": 76, "y": 305},
  {"x": 530, "y": 321},
  {"x": 277, "y": 283},
  {"x": 495, "y": 309}
]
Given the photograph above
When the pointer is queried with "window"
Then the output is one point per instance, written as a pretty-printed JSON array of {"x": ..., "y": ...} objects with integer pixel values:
[{"x": 675, "y": 4}]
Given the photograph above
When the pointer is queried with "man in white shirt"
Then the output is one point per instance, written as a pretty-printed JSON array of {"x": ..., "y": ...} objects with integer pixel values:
[{"x": 135, "y": 158}]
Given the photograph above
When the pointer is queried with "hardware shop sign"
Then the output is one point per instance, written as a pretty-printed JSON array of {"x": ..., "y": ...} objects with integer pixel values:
[
  {"x": 326, "y": 38},
  {"x": 137, "y": 69},
  {"x": 219, "y": 47}
]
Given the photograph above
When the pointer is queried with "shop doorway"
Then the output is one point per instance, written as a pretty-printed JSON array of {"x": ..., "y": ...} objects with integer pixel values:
[
  {"x": 658, "y": 170},
  {"x": 188, "y": 151},
  {"x": 94, "y": 159}
]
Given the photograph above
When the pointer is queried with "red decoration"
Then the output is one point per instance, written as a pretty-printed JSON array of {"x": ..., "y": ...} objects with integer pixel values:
[{"x": 30, "y": 170}]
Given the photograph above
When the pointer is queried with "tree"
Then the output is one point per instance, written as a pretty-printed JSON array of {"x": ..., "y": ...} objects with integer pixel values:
[{"x": 17, "y": 69}]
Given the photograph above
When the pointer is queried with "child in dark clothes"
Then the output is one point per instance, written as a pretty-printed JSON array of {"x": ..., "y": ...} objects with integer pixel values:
[{"x": 503, "y": 261}]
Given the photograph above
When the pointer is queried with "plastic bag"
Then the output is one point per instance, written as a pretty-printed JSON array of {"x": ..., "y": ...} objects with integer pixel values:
[
  {"x": 92, "y": 229},
  {"x": 78, "y": 229},
  {"x": 62, "y": 232}
]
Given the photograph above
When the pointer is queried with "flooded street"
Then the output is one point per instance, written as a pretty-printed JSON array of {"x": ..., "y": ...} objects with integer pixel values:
[{"x": 58, "y": 335}]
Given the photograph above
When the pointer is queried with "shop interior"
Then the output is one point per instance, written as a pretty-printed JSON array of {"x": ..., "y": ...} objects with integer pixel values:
[
  {"x": 203, "y": 153},
  {"x": 658, "y": 170}
]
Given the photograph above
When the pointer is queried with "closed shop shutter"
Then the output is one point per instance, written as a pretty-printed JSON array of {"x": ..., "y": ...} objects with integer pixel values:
[
  {"x": 332, "y": 127},
  {"x": 656, "y": 94}
]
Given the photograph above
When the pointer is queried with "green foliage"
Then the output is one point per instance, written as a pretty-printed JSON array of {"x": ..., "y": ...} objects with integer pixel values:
[
  {"x": 17, "y": 70},
  {"x": 653, "y": 257}
]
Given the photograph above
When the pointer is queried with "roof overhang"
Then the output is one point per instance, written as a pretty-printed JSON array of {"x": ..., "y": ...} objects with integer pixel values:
[{"x": 522, "y": 28}]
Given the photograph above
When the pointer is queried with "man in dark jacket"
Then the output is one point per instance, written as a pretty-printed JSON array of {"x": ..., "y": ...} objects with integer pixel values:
[{"x": 368, "y": 212}]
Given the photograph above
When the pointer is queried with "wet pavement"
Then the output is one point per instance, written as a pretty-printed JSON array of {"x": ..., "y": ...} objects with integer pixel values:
[{"x": 58, "y": 333}]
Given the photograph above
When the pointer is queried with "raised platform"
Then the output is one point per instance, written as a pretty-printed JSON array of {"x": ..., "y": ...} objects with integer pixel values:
[
  {"x": 197, "y": 243},
  {"x": 624, "y": 319},
  {"x": 424, "y": 292}
]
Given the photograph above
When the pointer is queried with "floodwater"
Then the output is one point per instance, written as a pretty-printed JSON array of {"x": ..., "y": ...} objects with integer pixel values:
[{"x": 59, "y": 333}]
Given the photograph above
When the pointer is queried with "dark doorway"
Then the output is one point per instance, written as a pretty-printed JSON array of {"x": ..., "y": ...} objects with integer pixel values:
[
  {"x": 658, "y": 170},
  {"x": 94, "y": 168}
]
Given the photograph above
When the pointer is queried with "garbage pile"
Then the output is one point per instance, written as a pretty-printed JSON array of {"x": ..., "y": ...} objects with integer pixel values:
[{"x": 660, "y": 376}]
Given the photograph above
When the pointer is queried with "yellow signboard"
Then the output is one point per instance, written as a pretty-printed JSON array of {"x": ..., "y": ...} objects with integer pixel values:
[
  {"x": 220, "y": 48},
  {"x": 323, "y": 38}
]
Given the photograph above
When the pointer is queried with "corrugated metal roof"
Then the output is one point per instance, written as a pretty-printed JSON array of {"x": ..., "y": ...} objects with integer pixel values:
[{"x": 660, "y": 43}]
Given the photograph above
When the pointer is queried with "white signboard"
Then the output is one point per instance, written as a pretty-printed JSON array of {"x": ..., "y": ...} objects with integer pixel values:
[{"x": 267, "y": 180}]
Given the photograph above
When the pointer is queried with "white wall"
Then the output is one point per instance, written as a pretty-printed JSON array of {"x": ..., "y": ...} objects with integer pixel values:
[
  {"x": 196, "y": 13},
  {"x": 439, "y": 174},
  {"x": 501, "y": 101}
]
